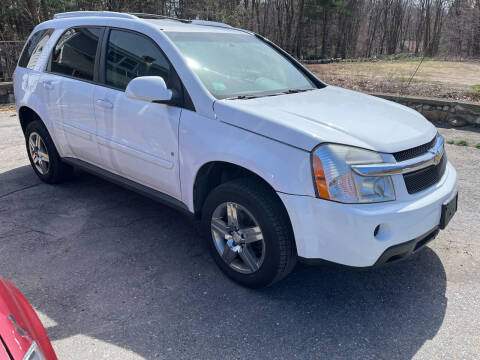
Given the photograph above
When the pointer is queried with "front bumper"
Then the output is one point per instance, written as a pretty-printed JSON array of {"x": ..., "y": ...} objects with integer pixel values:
[{"x": 344, "y": 233}]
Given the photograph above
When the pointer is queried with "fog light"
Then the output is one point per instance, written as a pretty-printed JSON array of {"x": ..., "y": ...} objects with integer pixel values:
[{"x": 382, "y": 232}]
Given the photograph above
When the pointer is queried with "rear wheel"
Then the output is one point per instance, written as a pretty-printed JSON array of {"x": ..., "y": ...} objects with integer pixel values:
[
  {"x": 249, "y": 233},
  {"x": 43, "y": 155}
]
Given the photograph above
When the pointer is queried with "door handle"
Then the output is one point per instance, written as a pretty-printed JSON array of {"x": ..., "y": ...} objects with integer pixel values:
[
  {"x": 48, "y": 85},
  {"x": 104, "y": 103}
]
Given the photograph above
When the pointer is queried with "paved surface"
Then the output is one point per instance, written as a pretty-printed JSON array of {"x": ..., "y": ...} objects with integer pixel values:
[{"x": 114, "y": 275}]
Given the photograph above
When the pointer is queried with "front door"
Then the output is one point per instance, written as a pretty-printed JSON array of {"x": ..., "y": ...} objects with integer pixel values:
[{"x": 137, "y": 139}]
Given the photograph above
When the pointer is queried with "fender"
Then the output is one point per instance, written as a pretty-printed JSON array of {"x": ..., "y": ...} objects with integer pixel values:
[
  {"x": 27, "y": 95},
  {"x": 286, "y": 169}
]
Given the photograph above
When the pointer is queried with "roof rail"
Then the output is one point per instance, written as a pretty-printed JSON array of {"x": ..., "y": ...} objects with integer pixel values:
[
  {"x": 196, "y": 22},
  {"x": 210, "y": 23},
  {"x": 159, "y": 17},
  {"x": 74, "y": 14}
]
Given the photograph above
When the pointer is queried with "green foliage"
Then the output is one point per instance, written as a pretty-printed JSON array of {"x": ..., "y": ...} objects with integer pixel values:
[
  {"x": 235, "y": 17},
  {"x": 476, "y": 91},
  {"x": 314, "y": 8},
  {"x": 461, "y": 143},
  {"x": 414, "y": 80},
  {"x": 450, "y": 142},
  {"x": 477, "y": 145}
]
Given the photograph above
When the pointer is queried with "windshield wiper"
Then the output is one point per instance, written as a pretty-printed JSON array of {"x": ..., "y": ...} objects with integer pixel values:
[
  {"x": 246, "y": 97},
  {"x": 294, "y": 91},
  {"x": 242, "y": 97}
]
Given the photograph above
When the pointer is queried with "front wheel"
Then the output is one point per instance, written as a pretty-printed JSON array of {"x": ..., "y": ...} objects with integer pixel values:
[{"x": 249, "y": 233}]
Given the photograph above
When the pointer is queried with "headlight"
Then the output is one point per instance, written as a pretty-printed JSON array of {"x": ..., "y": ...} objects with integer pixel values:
[
  {"x": 334, "y": 179},
  {"x": 33, "y": 353}
]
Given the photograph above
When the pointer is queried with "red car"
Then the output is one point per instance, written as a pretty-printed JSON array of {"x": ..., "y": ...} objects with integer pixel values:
[{"x": 22, "y": 335}]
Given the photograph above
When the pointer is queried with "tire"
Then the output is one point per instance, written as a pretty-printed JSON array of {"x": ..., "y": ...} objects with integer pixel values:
[
  {"x": 255, "y": 201},
  {"x": 52, "y": 171}
]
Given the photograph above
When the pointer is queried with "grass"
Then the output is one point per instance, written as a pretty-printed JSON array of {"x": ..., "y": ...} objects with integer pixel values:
[
  {"x": 476, "y": 91},
  {"x": 399, "y": 57},
  {"x": 449, "y": 80},
  {"x": 414, "y": 80},
  {"x": 462, "y": 143},
  {"x": 448, "y": 72}
]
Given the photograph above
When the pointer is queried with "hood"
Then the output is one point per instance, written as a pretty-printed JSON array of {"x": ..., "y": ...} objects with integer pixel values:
[{"x": 331, "y": 114}]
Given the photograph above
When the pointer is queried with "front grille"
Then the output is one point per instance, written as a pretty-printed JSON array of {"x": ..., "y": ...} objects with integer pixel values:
[
  {"x": 421, "y": 179},
  {"x": 414, "y": 152}
]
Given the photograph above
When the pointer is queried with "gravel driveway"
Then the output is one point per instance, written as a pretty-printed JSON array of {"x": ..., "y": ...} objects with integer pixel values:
[{"x": 114, "y": 275}]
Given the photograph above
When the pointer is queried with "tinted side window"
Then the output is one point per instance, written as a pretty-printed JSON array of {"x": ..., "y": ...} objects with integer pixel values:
[
  {"x": 130, "y": 55},
  {"x": 34, "y": 48},
  {"x": 74, "y": 54}
]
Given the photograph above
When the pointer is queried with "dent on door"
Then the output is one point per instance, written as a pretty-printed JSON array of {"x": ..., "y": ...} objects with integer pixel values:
[{"x": 78, "y": 121}]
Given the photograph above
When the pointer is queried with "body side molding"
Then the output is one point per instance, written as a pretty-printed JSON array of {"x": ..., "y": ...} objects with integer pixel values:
[{"x": 129, "y": 184}]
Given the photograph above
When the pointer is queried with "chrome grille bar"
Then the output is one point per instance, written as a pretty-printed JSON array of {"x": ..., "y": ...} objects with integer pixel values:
[{"x": 432, "y": 157}]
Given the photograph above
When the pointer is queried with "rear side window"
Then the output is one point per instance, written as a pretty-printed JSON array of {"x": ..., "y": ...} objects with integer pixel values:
[
  {"x": 131, "y": 55},
  {"x": 75, "y": 52},
  {"x": 33, "y": 49}
]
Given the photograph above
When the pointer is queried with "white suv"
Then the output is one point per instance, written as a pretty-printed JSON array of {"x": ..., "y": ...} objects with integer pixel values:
[{"x": 223, "y": 124}]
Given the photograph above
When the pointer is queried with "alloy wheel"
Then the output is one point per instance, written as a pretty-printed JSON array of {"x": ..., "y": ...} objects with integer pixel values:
[
  {"x": 38, "y": 153},
  {"x": 238, "y": 237}
]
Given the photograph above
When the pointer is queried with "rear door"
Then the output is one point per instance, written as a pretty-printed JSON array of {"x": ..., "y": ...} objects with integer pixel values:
[
  {"x": 137, "y": 139},
  {"x": 69, "y": 83}
]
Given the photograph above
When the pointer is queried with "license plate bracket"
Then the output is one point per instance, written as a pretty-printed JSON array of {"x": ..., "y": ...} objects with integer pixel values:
[{"x": 449, "y": 208}]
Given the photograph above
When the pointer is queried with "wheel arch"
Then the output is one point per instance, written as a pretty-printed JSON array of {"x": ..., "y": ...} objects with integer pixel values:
[
  {"x": 26, "y": 115},
  {"x": 213, "y": 173}
]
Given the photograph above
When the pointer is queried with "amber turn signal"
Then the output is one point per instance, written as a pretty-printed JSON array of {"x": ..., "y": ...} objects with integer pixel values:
[{"x": 319, "y": 175}]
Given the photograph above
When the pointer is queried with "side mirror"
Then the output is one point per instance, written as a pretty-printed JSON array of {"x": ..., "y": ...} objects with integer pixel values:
[{"x": 149, "y": 88}]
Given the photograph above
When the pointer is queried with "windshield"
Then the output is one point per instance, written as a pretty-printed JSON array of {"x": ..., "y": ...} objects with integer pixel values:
[{"x": 233, "y": 65}]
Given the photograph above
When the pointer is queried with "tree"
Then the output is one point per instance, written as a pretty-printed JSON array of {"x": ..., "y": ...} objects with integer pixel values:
[{"x": 317, "y": 28}]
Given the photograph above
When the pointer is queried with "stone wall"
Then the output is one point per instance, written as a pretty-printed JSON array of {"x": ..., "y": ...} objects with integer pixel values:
[
  {"x": 6, "y": 93},
  {"x": 455, "y": 113}
]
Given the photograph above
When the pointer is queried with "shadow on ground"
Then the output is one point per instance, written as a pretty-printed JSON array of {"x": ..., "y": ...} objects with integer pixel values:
[{"x": 104, "y": 262}]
